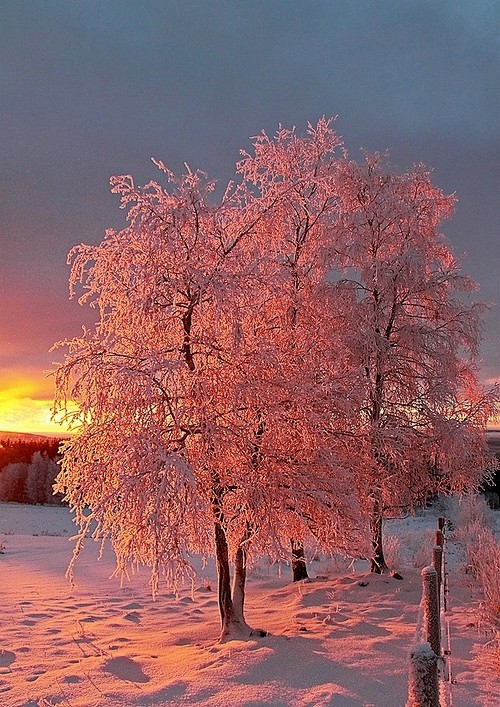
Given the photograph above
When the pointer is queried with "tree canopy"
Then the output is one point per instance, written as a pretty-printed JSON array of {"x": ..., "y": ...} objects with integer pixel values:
[{"x": 269, "y": 367}]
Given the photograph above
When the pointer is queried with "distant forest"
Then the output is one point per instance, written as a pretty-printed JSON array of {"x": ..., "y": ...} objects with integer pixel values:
[
  {"x": 28, "y": 468},
  {"x": 29, "y": 465}
]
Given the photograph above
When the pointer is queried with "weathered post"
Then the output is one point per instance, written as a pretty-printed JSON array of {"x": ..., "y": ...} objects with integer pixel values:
[
  {"x": 423, "y": 685},
  {"x": 441, "y": 523},
  {"x": 439, "y": 538},
  {"x": 430, "y": 603},
  {"x": 437, "y": 563}
]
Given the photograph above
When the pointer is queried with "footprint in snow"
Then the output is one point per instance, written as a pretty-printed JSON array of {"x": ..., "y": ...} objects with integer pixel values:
[
  {"x": 6, "y": 659},
  {"x": 133, "y": 616},
  {"x": 133, "y": 605},
  {"x": 125, "y": 669}
]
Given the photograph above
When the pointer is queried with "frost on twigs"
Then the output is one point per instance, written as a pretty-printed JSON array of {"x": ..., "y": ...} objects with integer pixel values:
[
  {"x": 414, "y": 331},
  {"x": 209, "y": 395},
  {"x": 235, "y": 399},
  {"x": 149, "y": 518},
  {"x": 475, "y": 532}
]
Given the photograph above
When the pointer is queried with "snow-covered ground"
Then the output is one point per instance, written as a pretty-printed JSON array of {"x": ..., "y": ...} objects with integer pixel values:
[{"x": 341, "y": 639}]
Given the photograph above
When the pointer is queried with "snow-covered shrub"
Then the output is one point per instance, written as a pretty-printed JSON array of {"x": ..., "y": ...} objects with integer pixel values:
[
  {"x": 475, "y": 509},
  {"x": 335, "y": 563},
  {"x": 474, "y": 529},
  {"x": 423, "y": 553},
  {"x": 392, "y": 549},
  {"x": 483, "y": 558}
]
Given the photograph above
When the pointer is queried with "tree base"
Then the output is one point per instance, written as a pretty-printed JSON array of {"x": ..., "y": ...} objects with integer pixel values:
[
  {"x": 299, "y": 568},
  {"x": 384, "y": 569},
  {"x": 394, "y": 575},
  {"x": 379, "y": 568},
  {"x": 239, "y": 632}
]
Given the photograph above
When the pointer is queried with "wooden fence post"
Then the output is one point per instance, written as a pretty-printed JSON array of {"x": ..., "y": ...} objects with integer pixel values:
[
  {"x": 437, "y": 563},
  {"x": 423, "y": 685},
  {"x": 439, "y": 538},
  {"x": 430, "y": 601}
]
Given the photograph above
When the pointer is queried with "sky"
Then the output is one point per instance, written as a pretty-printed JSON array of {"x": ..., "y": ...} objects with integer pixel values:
[{"x": 94, "y": 88}]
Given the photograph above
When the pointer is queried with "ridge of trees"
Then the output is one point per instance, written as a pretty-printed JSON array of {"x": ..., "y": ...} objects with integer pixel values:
[
  {"x": 28, "y": 468},
  {"x": 21, "y": 449}
]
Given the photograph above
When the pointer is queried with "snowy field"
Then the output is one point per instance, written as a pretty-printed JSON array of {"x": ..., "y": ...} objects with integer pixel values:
[{"x": 341, "y": 639}]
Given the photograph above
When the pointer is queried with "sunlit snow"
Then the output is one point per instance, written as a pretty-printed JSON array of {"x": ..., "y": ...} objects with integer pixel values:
[{"x": 341, "y": 639}]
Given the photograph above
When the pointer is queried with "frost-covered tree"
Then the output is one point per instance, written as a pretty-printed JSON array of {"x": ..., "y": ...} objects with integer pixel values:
[
  {"x": 30, "y": 482},
  {"x": 186, "y": 441},
  {"x": 235, "y": 396},
  {"x": 41, "y": 475},
  {"x": 414, "y": 333},
  {"x": 13, "y": 482},
  {"x": 296, "y": 179},
  {"x": 147, "y": 379}
]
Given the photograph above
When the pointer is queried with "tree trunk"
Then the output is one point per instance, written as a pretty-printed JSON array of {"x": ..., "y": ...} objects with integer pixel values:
[
  {"x": 377, "y": 560},
  {"x": 229, "y": 620},
  {"x": 232, "y": 619},
  {"x": 299, "y": 568},
  {"x": 240, "y": 575}
]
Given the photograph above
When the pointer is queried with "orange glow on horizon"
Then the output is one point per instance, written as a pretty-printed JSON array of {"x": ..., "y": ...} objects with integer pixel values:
[
  {"x": 29, "y": 415},
  {"x": 26, "y": 402},
  {"x": 25, "y": 406}
]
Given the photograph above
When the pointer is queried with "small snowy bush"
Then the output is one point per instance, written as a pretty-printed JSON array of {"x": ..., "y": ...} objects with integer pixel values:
[
  {"x": 392, "y": 551},
  {"x": 474, "y": 530},
  {"x": 469, "y": 511},
  {"x": 335, "y": 564},
  {"x": 423, "y": 553},
  {"x": 483, "y": 558}
]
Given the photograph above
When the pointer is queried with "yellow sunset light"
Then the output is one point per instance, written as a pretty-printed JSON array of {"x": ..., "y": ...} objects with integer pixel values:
[
  {"x": 28, "y": 415},
  {"x": 25, "y": 406}
]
